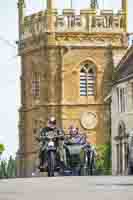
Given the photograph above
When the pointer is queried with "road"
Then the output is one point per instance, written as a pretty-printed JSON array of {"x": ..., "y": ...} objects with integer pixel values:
[{"x": 67, "y": 188}]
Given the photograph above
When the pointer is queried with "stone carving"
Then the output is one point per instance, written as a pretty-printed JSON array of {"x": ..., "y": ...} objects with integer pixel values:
[
  {"x": 88, "y": 120},
  {"x": 37, "y": 23}
]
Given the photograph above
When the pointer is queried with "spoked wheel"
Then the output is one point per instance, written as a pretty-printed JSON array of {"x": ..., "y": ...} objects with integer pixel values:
[
  {"x": 84, "y": 171},
  {"x": 51, "y": 163}
]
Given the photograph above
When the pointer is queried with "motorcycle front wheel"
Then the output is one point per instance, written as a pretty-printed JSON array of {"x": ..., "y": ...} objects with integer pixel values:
[{"x": 51, "y": 163}]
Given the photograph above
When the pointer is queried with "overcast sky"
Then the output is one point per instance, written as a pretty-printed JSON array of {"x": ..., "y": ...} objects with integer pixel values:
[{"x": 9, "y": 62}]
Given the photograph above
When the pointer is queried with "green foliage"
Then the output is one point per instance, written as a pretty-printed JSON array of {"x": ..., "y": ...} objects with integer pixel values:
[
  {"x": 3, "y": 169},
  {"x": 94, "y": 4},
  {"x": 8, "y": 168},
  {"x": 11, "y": 168},
  {"x": 2, "y": 148},
  {"x": 103, "y": 160}
]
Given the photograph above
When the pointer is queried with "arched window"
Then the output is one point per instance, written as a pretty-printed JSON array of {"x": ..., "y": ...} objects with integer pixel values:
[
  {"x": 36, "y": 85},
  {"x": 87, "y": 79}
]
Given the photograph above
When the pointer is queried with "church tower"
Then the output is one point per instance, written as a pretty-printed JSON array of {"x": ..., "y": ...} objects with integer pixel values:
[{"x": 67, "y": 62}]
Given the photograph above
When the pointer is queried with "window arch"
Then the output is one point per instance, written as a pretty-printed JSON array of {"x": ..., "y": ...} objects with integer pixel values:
[
  {"x": 87, "y": 79},
  {"x": 122, "y": 149}
]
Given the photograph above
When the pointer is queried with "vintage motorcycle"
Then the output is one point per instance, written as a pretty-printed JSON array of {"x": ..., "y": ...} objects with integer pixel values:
[
  {"x": 50, "y": 143},
  {"x": 66, "y": 156}
]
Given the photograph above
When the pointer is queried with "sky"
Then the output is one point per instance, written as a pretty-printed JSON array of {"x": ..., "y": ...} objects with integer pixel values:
[{"x": 10, "y": 62}]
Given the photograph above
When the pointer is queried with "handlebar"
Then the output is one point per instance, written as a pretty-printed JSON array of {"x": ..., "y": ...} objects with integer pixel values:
[
  {"x": 63, "y": 136},
  {"x": 49, "y": 137}
]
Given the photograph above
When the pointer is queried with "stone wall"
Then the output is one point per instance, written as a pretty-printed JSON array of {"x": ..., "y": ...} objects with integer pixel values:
[{"x": 118, "y": 117}]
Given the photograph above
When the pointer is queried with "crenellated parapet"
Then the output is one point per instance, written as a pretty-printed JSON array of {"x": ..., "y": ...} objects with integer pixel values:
[{"x": 69, "y": 21}]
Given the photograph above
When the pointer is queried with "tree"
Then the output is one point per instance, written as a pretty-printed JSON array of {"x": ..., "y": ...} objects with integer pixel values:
[
  {"x": 2, "y": 148},
  {"x": 94, "y": 4}
]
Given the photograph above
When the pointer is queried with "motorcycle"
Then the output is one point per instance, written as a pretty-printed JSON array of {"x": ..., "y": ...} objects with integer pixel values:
[
  {"x": 49, "y": 149},
  {"x": 65, "y": 156}
]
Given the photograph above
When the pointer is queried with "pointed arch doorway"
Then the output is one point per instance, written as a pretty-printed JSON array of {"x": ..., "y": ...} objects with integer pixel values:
[{"x": 122, "y": 149}]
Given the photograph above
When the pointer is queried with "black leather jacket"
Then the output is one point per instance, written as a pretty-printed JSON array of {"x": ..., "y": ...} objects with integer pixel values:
[{"x": 44, "y": 132}]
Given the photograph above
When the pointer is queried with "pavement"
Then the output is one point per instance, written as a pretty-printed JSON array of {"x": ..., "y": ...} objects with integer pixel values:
[{"x": 68, "y": 188}]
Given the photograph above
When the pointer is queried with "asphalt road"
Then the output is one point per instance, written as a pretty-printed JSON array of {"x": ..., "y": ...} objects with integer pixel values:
[{"x": 67, "y": 188}]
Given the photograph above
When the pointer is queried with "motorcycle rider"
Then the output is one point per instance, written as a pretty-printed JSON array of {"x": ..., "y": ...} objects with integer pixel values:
[
  {"x": 75, "y": 136},
  {"x": 79, "y": 138},
  {"x": 51, "y": 127}
]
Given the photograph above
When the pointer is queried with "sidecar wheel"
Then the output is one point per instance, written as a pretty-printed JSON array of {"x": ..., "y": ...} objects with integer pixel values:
[{"x": 84, "y": 164}]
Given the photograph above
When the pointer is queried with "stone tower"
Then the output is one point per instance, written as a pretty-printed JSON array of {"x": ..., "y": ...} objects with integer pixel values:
[{"x": 66, "y": 70}]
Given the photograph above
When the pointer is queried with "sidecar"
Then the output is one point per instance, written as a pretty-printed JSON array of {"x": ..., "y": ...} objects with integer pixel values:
[{"x": 77, "y": 160}]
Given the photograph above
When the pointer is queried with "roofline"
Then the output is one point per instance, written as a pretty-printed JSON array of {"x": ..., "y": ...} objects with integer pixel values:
[
  {"x": 128, "y": 53},
  {"x": 127, "y": 78}
]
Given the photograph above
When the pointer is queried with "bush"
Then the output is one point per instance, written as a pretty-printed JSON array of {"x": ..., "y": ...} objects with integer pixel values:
[
  {"x": 103, "y": 160},
  {"x": 8, "y": 168}
]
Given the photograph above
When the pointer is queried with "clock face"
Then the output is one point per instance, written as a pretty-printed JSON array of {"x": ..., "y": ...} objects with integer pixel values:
[{"x": 88, "y": 120}]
